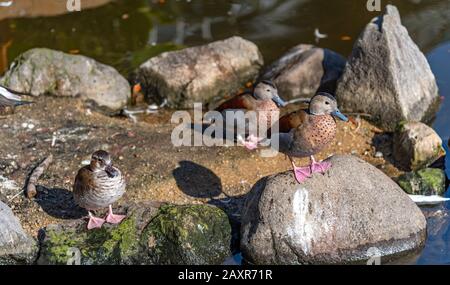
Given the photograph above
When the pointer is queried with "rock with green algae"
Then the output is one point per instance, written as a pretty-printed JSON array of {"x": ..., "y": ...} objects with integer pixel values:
[
  {"x": 428, "y": 181},
  {"x": 151, "y": 234},
  {"x": 194, "y": 234},
  {"x": 108, "y": 245},
  {"x": 416, "y": 146}
]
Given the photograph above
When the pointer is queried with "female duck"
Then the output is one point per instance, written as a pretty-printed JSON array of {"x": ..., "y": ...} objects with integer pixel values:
[
  {"x": 307, "y": 132},
  {"x": 97, "y": 186}
]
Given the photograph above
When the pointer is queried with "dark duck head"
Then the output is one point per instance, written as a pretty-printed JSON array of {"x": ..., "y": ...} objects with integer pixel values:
[{"x": 101, "y": 161}]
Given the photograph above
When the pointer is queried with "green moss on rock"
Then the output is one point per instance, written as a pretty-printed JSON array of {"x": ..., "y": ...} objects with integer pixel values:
[
  {"x": 195, "y": 234},
  {"x": 428, "y": 181},
  {"x": 108, "y": 245}
]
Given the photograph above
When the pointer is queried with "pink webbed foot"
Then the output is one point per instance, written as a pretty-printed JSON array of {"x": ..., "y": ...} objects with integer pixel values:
[
  {"x": 302, "y": 173},
  {"x": 251, "y": 143},
  {"x": 113, "y": 218},
  {"x": 94, "y": 222},
  {"x": 319, "y": 167}
]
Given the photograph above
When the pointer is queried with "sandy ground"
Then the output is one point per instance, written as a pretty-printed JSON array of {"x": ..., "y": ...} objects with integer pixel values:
[{"x": 155, "y": 170}]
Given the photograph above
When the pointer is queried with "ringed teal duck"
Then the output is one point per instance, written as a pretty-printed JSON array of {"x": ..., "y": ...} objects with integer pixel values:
[
  {"x": 307, "y": 132},
  {"x": 10, "y": 98},
  {"x": 97, "y": 186},
  {"x": 264, "y": 100}
]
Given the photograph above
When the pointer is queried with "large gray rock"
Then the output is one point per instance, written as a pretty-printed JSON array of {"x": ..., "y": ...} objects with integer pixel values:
[
  {"x": 16, "y": 247},
  {"x": 387, "y": 76},
  {"x": 344, "y": 216},
  {"x": 200, "y": 74},
  {"x": 305, "y": 69},
  {"x": 416, "y": 146},
  {"x": 43, "y": 71}
]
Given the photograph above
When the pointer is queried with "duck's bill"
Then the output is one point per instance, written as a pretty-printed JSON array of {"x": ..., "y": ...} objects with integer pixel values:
[
  {"x": 339, "y": 115},
  {"x": 280, "y": 102}
]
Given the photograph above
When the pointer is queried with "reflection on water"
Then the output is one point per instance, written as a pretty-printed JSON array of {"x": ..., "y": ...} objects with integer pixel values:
[
  {"x": 437, "y": 247},
  {"x": 126, "y": 33},
  {"x": 439, "y": 59}
]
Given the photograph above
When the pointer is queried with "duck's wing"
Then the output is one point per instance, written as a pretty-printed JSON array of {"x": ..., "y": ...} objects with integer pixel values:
[
  {"x": 9, "y": 97},
  {"x": 239, "y": 102},
  {"x": 292, "y": 121},
  {"x": 83, "y": 180}
]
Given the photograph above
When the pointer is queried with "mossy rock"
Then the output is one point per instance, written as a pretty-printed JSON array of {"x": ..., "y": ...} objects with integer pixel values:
[
  {"x": 428, "y": 181},
  {"x": 166, "y": 234},
  {"x": 194, "y": 234},
  {"x": 108, "y": 245}
]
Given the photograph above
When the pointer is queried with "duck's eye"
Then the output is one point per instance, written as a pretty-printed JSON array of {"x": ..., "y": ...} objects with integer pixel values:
[
  {"x": 327, "y": 103},
  {"x": 268, "y": 90}
]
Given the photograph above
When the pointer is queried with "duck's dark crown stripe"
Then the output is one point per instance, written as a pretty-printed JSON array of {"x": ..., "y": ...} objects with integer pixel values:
[
  {"x": 327, "y": 95},
  {"x": 270, "y": 83}
]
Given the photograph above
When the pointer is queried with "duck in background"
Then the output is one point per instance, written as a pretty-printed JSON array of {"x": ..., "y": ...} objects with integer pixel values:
[
  {"x": 305, "y": 133},
  {"x": 11, "y": 98},
  {"x": 97, "y": 186},
  {"x": 264, "y": 100}
]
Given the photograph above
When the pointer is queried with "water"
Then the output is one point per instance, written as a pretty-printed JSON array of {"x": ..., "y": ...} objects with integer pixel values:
[{"x": 125, "y": 33}]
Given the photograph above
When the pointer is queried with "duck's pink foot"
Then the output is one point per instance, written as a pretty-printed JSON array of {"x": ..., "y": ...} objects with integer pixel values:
[
  {"x": 94, "y": 222},
  {"x": 302, "y": 173},
  {"x": 113, "y": 218},
  {"x": 251, "y": 143},
  {"x": 320, "y": 167}
]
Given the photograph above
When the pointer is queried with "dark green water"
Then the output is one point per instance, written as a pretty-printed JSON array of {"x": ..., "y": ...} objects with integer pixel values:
[{"x": 126, "y": 33}]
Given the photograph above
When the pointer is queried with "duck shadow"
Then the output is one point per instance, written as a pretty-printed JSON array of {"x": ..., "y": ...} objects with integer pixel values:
[
  {"x": 383, "y": 142},
  {"x": 58, "y": 203},
  {"x": 198, "y": 181}
]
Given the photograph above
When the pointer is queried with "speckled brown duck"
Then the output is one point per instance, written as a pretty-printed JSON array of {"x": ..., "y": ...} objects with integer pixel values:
[
  {"x": 11, "y": 98},
  {"x": 264, "y": 100},
  {"x": 98, "y": 186},
  {"x": 305, "y": 133}
]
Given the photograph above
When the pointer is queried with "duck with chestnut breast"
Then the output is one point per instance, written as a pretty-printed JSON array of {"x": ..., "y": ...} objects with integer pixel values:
[
  {"x": 305, "y": 133},
  {"x": 97, "y": 186},
  {"x": 11, "y": 98},
  {"x": 264, "y": 101}
]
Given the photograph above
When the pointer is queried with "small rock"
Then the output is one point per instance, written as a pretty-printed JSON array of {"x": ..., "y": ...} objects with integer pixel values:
[
  {"x": 305, "y": 69},
  {"x": 416, "y": 146},
  {"x": 379, "y": 154},
  {"x": 428, "y": 181},
  {"x": 16, "y": 247},
  {"x": 387, "y": 76},
  {"x": 337, "y": 218},
  {"x": 200, "y": 74},
  {"x": 43, "y": 71}
]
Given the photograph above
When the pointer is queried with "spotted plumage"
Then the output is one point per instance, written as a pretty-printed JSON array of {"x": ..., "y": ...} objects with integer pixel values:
[
  {"x": 306, "y": 132},
  {"x": 264, "y": 102}
]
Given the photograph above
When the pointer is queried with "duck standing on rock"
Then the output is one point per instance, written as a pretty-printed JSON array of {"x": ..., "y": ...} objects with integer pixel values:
[
  {"x": 10, "y": 98},
  {"x": 307, "y": 132},
  {"x": 264, "y": 100},
  {"x": 97, "y": 186}
]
